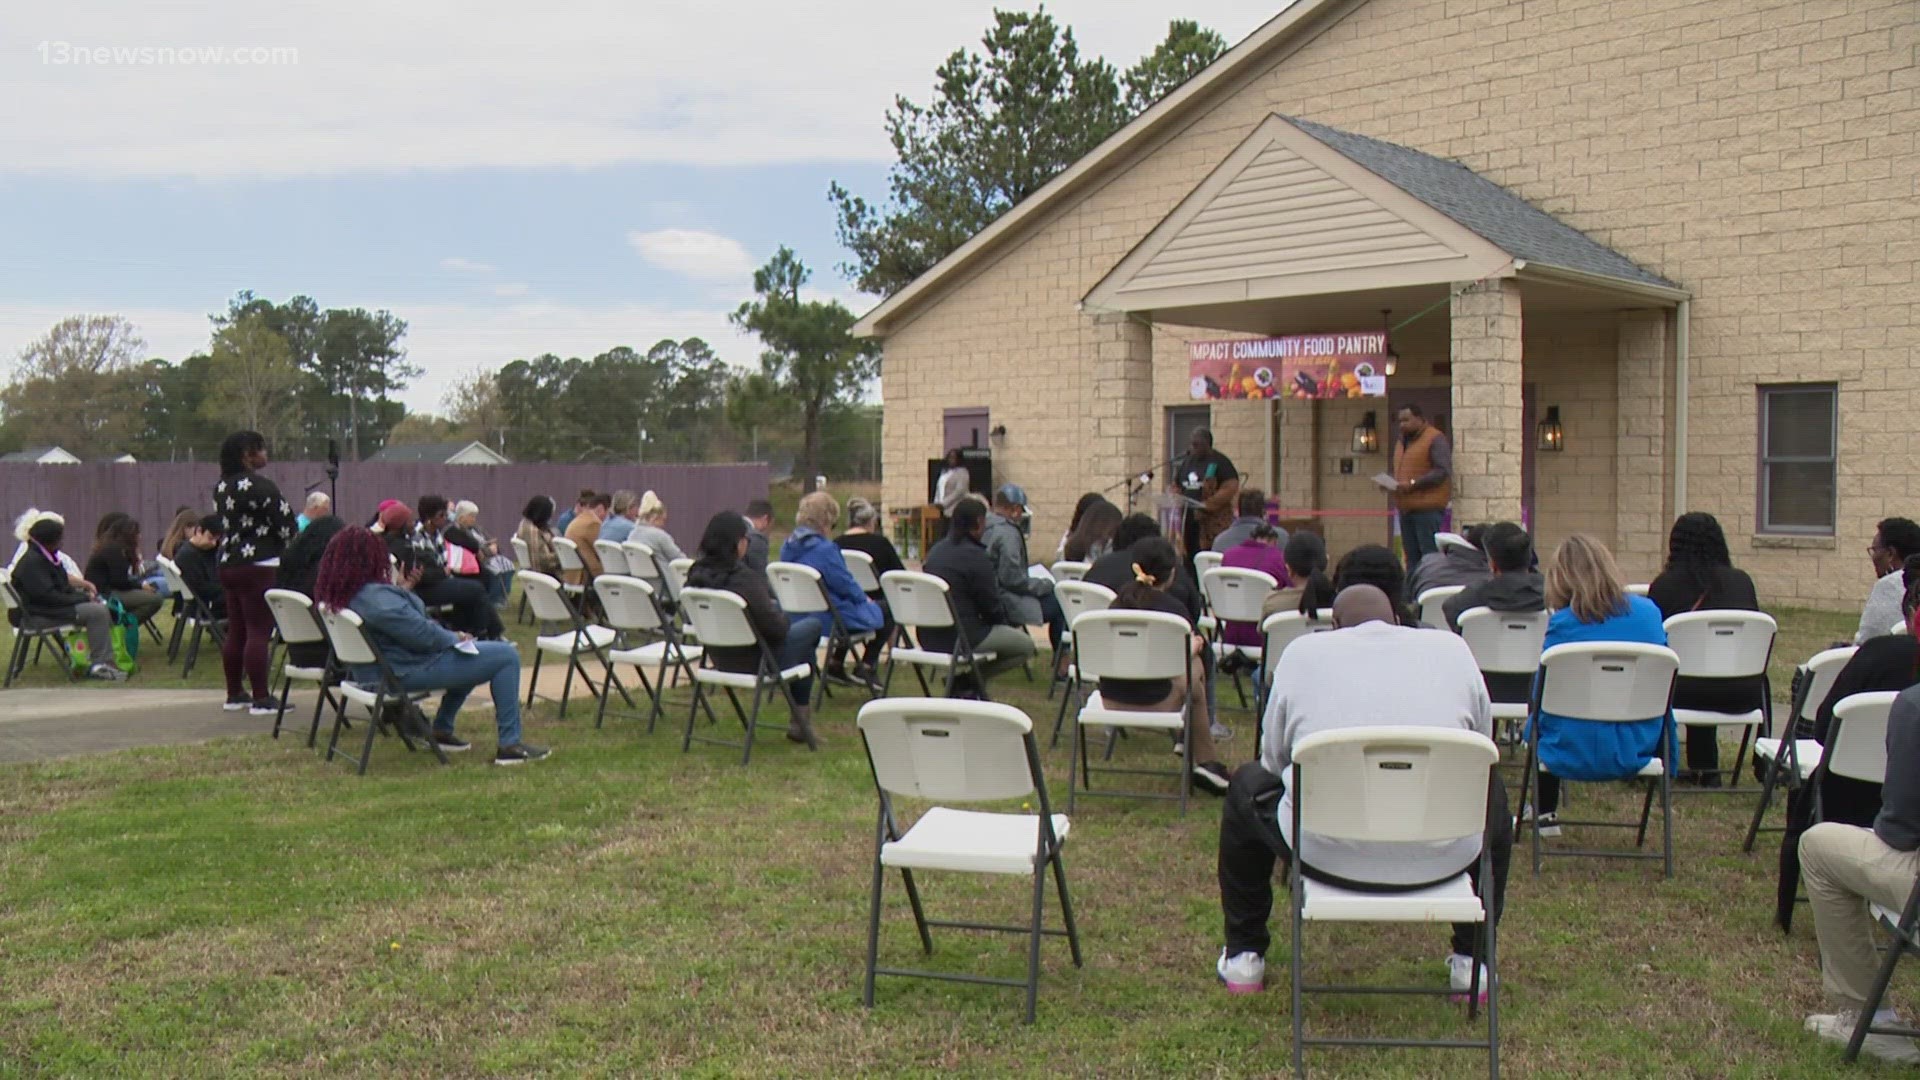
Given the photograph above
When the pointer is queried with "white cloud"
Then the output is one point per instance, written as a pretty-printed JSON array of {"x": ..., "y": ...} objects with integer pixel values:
[
  {"x": 691, "y": 253},
  {"x": 378, "y": 86}
]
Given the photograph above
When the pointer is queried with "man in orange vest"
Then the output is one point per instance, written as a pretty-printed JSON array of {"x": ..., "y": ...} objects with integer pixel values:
[{"x": 1425, "y": 475}]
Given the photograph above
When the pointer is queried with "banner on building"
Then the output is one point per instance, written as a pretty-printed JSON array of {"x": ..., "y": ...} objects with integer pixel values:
[{"x": 1307, "y": 367}]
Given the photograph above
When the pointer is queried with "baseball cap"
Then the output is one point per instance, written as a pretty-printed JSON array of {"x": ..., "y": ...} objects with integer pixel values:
[{"x": 1012, "y": 494}]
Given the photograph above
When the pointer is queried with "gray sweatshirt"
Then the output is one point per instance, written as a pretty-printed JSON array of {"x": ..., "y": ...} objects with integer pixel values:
[
  {"x": 1359, "y": 677},
  {"x": 1883, "y": 608},
  {"x": 1898, "y": 823}
]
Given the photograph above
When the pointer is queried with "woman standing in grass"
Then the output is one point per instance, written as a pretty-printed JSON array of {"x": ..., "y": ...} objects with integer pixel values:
[{"x": 258, "y": 525}]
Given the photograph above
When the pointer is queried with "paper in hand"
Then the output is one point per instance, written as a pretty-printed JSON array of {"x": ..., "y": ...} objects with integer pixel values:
[
  {"x": 468, "y": 646},
  {"x": 1386, "y": 481}
]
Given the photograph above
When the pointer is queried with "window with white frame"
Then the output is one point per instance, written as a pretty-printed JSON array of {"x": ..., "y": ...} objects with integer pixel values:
[{"x": 1799, "y": 434}]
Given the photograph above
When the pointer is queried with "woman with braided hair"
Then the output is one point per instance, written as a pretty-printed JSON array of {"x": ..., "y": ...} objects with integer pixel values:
[
  {"x": 1700, "y": 576},
  {"x": 1154, "y": 571}
]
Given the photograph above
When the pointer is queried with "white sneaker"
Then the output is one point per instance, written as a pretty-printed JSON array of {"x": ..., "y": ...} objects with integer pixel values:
[
  {"x": 1549, "y": 825},
  {"x": 1221, "y": 732},
  {"x": 1460, "y": 977},
  {"x": 1243, "y": 974},
  {"x": 1838, "y": 1027}
]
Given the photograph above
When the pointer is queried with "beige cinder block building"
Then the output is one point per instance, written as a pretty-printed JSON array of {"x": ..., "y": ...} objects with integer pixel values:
[{"x": 1685, "y": 227}]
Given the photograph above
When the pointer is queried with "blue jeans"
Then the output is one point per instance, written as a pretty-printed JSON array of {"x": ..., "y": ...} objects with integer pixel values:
[
  {"x": 498, "y": 665},
  {"x": 499, "y": 584},
  {"x": 1416, "y": 533},
  {"x": 803, "y": 640}
]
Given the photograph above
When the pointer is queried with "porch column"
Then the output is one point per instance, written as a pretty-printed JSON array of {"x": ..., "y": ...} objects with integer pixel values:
[
  {"x": 1488, "y": 417},
  {"x": 1122, "y": 412},
  {"x": 1641, "y": 469}
]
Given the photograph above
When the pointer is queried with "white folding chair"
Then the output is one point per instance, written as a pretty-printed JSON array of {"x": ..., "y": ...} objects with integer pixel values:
[
  {"x": 720, "y": 617},
  {"x": 1204, "y": 561},
  {"x": 1725, "y": 645},
  {"x": 294, "y": 618},
  {"x": 351, "y": 648},
  {"x": 613, "y": 557},
  {"x": 920, "y": 602},
  {"x": 1283, "y": 628},
  {"x": 1429, "y": 602},
  {"x": 860, "y": 565},
  {"x": 1236, "y": 594},
  {"x": 1076, "y": 598},
  {"x": 195, "y": 612},
  {"x": 944, "y": 751},
  {"x": 1443, "y": 540},
  {"x": 1857, "y": 741},
  {"x": 580, "y": 638},
  {"x": 676, "y": 576},
  {"x": 1133, "y": 645},
  {"x": 1616, "y": 682},
  {"x": 1794, "y": 757},
  {"x": 633, "y": 609},
  {"x": 1904, "y": 929},
  {"x": 523, "y": 559},
  {"x": 570, "y": 563},
  {"x": 1070, "y": 570},
  {"x": 798, "y": 590},
  {"x": 1410, "y": 785},
  {"x": 1506, "y": 643},
  {"x": 641, "y": 562},
  {"x": 25, "y": 635}
]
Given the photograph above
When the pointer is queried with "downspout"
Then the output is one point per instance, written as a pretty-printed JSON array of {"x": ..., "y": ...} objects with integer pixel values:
[
  {"x": 1682, "y": 314},
  {"x": 1273, "y": 463}
]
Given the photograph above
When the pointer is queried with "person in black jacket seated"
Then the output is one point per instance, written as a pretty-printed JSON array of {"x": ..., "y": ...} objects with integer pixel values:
[
  {"x": 1515, "y": 584},
  {"x": 420, "y": 546},
  {"x": 1700, "y": 576},
  {"x": 720, "y": 563},
  {"x": 198, "y": 558},
  {"x": 961, "y": 561},
  {"x": 1886, "y": 662},
  {"x": 1114, "y": 571},
  {"x": 1155, "y": 567},
  {"x": 49, "y": 598},
  {"x": 114, "y": 569},
  {"x": 299, "y": 570},
  {"x": 863, "y": 535}
]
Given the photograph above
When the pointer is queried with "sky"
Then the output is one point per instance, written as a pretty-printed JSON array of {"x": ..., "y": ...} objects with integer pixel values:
[{"x": 509, "y": 178}]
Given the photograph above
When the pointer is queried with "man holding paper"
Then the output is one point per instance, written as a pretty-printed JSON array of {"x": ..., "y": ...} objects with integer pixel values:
[{"x": 1422, "y": 483}]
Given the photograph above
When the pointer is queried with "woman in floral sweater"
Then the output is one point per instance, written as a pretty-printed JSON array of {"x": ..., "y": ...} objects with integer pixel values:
[{"x": 259, "y": 525}]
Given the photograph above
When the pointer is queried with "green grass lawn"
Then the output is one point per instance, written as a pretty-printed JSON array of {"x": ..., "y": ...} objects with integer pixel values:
[{"x": 241, "y": 908}]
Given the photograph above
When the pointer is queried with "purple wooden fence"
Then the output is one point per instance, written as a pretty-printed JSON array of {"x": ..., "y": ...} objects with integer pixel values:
[{"x": 152, "y": 492}]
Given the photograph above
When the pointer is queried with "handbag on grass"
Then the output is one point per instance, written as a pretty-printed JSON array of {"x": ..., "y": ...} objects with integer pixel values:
[{"x": 126, "y": 636}]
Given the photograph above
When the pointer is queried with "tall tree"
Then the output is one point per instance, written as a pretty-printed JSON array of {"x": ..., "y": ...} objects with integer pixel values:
[
  {"x": 75, "y": 387},
  {"x": 809, "y": 352},
  {"x": 472, "y": 405},
  {"x": 252, "y": 380},
  {"x": 360, "y": 360},
  {"x": 1003, "y": 123},
  {"x": 82, "y": 344},
  {"x": 1187, "y": 50}
]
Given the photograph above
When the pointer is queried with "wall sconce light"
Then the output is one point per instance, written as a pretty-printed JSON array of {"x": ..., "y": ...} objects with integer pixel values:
[
  {"x": 1553, "y": 437},
  {"x": 999, "y": 432},
  {"x": 1386, "y": 331},
  {"x": 1366, "y": 436}
]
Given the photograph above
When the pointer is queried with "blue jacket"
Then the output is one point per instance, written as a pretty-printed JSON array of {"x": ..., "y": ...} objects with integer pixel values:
[
  {"x": 810, "y": 547},
  {"x": 1596, "y": 749},
  {"x": 397, "y": 624}
]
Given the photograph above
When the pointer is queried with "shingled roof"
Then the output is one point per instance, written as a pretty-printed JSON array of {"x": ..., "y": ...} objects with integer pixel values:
[{"x": 1497, "y": 215}]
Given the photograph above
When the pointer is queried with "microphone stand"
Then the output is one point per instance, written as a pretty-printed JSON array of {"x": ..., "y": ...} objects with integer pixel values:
[{"x": 1135, "y": 483}]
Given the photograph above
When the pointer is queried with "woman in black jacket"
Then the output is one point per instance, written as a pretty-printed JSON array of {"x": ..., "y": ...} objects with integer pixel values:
[
  {"x": 719, "y": 564},
  {"x": 49, "y": 598},
  {"x": 258, "y": 525},
  {"x": 115, "y": 569},
  {"x": 1700, "y": 576},
  {"x": 299, "y": 567}
]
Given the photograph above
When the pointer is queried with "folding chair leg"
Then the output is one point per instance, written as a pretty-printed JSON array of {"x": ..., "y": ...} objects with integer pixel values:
[
  {"x": 1033, "y": 940},
  {"x": 1766, "y": 797},
  {"x": 313, "y": 730},
  {"x": 873, "y": 920},
  {"x": 566, "y": 687},
  {"x": 193, "y": 650},
  {"x": 533, "y": 680},
  {"x": 1666, "y": 823},
  {"x": 1646, "y": 810},
  {"x": 919, "y": 912},
  {"x": 1060, "y": 718},
  {"x": 1296, "y": 962},
  {"x": 693, "y": 713},
  {"x": 1066, "y": 907},
  {"x": 1878, "y": 994},
  {"x": 339, "y": 721},
  {"x": 286, "y": 691},
  {"x": 753, "y": 723},
  {"x": 366, "y": 752}
]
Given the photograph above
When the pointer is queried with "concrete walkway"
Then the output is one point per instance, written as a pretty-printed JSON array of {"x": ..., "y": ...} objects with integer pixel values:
[{"x": 41, "y": 724}]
